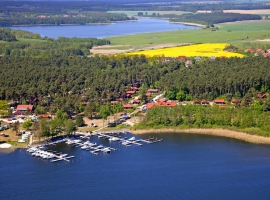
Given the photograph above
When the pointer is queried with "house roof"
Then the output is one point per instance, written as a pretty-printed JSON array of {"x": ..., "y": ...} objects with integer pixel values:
[
  {"x": 205, "y": 102},
  {"x": 152, "y": 90},
  {"x": 219, "y": 101},
  {"x": 148, "y": 94},
  {"x": 24, "y": 107},
  {"x": 235, "y": 101},
  {"x": 149, "y": 105},
  {"x": 128, "y": 106},
  {"x": 131, "y": 92}
]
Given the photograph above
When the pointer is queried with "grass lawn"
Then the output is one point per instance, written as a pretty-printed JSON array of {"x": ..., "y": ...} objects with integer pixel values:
[{"x": 240, "y": 34}]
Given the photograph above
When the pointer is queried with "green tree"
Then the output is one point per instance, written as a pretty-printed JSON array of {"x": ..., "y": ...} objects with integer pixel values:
[
  {"x": 44, "y": 126},
  {"x": 70, "y": 126},
  {"x": 80, "y": 121},
  {"x": 181, "y": 96},
  {"x": 89, "y": 109},
  {"x": 3, "y": 108},
  {"x": 27, "y": 124},
  {"x": 16, "y": 127}
]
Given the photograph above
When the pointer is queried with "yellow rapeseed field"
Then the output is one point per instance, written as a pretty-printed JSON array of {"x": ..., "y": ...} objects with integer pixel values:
[{"x": 202, "y": 50}]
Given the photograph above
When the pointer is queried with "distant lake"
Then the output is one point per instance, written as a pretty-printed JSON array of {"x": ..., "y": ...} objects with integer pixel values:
[
  {"x": 143, "y": 25},
  {"x": 182, "y": 166}
]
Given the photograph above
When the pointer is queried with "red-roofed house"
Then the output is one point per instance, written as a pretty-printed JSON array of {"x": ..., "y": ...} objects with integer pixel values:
[
  {"x": 137, "y": 101},
  {"x": 149, "y": 105},
  {"x": 128, "y": 106},
  {"x": 153, "y": 91},
  {"x": 22, "y": 109},
  {"x": 131, "y": 92},
  {"x": 205, "y": 102},
  {"x": 235, "y": 101},
  {"x": 219, "y": 101},
  {"x": 148, "y": 94},
  {"x": 197, "y": 101},
  {"x": 261, "y": 96}
]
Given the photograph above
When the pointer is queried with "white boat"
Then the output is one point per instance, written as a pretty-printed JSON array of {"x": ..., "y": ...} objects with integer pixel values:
[
  {"x": 106, "y": 150},
  {"x": 100, "y": 146},
  {"x": 113, "y": 139},
  {"x": 92, "y": 144},
  {"x": 131, "y": 139},
  {"x": 85, "y": 146},
  {"x": 63, "y": 155}
]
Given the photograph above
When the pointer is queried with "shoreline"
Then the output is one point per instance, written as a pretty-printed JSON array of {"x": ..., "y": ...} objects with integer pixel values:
[
  {"x": 190, "y": 24},
  {"x": 256, "y": 139}
]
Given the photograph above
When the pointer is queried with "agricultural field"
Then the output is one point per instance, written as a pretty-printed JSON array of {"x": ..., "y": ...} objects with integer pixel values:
[
  {"x": 244, "y": 34},
  {"x": 202, "y": 50}
]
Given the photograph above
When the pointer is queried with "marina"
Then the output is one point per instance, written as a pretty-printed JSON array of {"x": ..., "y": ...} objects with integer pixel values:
[{"x": 82, "y": 141}]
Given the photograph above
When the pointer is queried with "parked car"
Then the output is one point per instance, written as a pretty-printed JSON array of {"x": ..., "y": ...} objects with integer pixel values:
[
  {"x": 93, "y": 125},
  {"x": 4, "y": 135}
]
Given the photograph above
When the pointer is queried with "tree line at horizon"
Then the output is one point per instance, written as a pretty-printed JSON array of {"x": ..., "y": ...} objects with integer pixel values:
[
  {"x": 54, "y": 7},
  {"x": 58, "y": 20},
  {"x": 213, "y": 18}
]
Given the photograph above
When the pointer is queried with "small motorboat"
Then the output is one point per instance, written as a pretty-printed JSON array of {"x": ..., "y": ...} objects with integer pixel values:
[{"x": 131, "y": 139}]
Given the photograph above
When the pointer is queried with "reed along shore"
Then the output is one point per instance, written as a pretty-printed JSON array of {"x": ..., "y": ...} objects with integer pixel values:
[{"x": 215, "y": 132}]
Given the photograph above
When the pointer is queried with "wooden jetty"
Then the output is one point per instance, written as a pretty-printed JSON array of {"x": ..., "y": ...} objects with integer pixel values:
[{"x": 59, "y": 158}]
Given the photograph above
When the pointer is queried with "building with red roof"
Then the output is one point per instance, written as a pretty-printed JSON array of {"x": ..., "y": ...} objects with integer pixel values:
[
  {"x": 219, "y": 101},
  {"x": 22, "y": 109},
  {"x": 235, "y": 101},
  {"x": 128, "y": 106},
  {"x": 131, "y": 92},
  {"x": 153, "y": 91}
]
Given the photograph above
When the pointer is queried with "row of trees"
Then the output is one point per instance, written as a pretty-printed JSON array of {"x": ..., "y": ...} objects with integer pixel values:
[
  {"x": 213, "y": 18},
  {"x": 91, "y": 18}
]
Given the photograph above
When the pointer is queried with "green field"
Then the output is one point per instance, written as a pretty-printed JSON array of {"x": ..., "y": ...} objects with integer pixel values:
[
  {"x": 133, "y": 13},
  {"x": 240, "y": 34},
  {"x": 31, "y": 40}
]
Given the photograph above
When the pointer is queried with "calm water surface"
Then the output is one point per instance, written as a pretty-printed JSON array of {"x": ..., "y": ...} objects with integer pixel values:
[
  {"x": 143, "y": 25},
  {"x": 180, "y": 167}
]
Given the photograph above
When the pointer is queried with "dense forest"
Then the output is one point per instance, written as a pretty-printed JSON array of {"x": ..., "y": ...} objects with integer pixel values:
[
  {"x": 102, "y": 78},
  {"x": 45, "y": 46},
  {"x": 236, "y": 77},
  {"x": 251, "y": 119},
  {"x": 213, "y": 18}
]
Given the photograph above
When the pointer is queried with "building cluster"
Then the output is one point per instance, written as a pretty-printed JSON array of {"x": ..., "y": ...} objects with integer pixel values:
[{"x": 259, "y": 52}]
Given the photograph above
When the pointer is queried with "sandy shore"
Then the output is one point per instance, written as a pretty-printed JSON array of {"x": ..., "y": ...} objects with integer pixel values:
[
  {"x": 215, "y": 132},
  {"x": 190, "y": 24}
]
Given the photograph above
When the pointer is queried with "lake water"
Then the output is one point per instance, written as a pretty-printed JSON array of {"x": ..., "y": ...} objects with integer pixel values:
[
  {"x": 143, "y": 25},
  {"x": 180, "y": 167}
]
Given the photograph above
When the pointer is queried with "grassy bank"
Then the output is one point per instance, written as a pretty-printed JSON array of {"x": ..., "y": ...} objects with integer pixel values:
[{"x": 240, "y": 34}]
